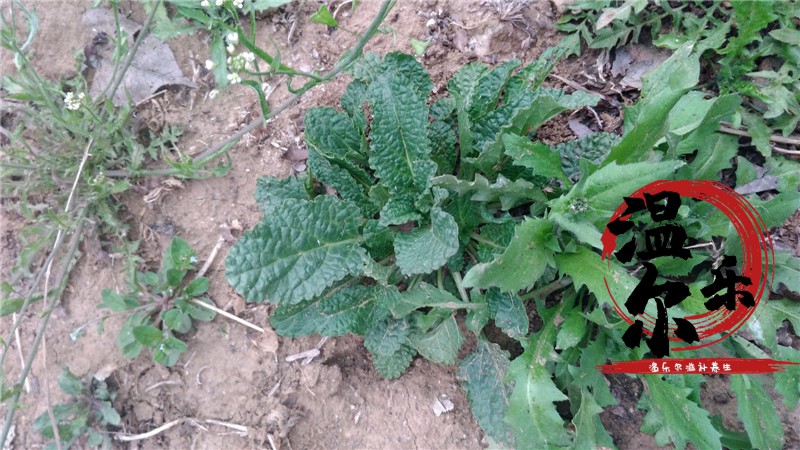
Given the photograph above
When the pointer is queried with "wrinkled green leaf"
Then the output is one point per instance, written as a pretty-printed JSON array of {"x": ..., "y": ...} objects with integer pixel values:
[
  {"x": 482, "y": 374},
  {"x": 440, "y": 344},
  {"x": 296, "y": 252},
  {"x": 423, "y": 250}
]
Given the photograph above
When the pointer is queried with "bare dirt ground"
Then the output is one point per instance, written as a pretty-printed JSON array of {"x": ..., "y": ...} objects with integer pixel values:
[{"x": 338, "y": 400}]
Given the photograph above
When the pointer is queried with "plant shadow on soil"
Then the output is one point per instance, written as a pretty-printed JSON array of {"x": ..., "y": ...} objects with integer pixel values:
[{"x": 338, "y": 400}]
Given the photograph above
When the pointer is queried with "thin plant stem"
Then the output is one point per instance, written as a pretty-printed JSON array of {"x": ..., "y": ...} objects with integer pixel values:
[
  {"x": 460, "y": 286},
  {"x": 143, "y": 33},
  {"x": 547, "y": 289},
  {"x": 14, "y": 400},
  {"x": 222, "y": 147}
]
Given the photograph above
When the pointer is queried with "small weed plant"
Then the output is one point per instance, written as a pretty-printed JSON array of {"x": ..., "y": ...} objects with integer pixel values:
[
  {"x": 451, "y": 217},
  {"x": 84, "y": 420},
  {"x": 160, "y": 304}
]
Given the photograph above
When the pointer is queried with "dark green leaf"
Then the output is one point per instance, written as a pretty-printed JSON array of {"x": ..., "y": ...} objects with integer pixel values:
[
  {"x": 424, "y": 250},
  {"x": 271, "y": 192},
  {"x": 296, "y": 252},
  {"x": 482, "y": 375},
  {"x": 394, "y": 365},
  {"x": 345, "y": 311},
  {"x": 399, "y": 148},
  {"x": 508, "y": 313},
  {"x": 196, "y": 287},
  {"x": 69, "y": 383},
  {"x": 385, "y": 337},
  {"x": 147, "y": 335},
  {"x": 440, "y": 344}
]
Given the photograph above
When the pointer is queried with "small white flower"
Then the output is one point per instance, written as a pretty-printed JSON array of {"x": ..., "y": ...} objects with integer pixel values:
[
  {"x": 266, "y": 88},
  {"x": 238, "y": 3},
  {"x": 213, "y": 94},
  {"x": 205, "y": 4},
  {"x": 219, "y": 2},
  {"x": 232, "y": 38},
  {"x": 231, "y": 48},
  {"x": 192, "y": 259},
  {"x": 234, "y": 78},
  {"x": 73, "y": 102},
  {"x": 210, "y": 64},
  {"x": 248, "y": 58}
]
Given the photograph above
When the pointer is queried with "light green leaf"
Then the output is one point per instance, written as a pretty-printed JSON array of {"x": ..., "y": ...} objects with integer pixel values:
[
  {"x": 661, "y": 90},
  {"x": 694, "y": 119},
  {"x": 508, "y": 193},
  {"x": 196, "y": 287},
  {"x": 571, "y": 331},
  {"x": 297, "y": 252},
  {"x": 323, "y": 17},
  {"x": 673, "y": 417},
  {"x": 758, "y": 412},
  {"x": 751, "y": 18},
  {"x": 482, "y": 375},
  {"x": 261, "y": 5},
  {"x": 713, "y": 156},
  {"x": 424, "y": 250},
  {"x": 589, "y": 430},
  {"x": 440, "y": 344},
  {"x": 587, "y": 269},
  {"x": 787, "y": 35},
  {"x": 521, "y": 264},
  {"x": 419, "y": 46},
  {"x": 787, "y": 381},
  {"x": 534, "y": 155},
  {"x": 422, "y": 296},
  {"x": 595, "y": 198},
  {"x": 531, "y": 412},
  {"x": 787, "y": 273}
]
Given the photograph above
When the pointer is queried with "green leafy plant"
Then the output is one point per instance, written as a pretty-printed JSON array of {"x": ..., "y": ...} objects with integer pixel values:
[
  {"x": 759, "y": 60},
  {"x": 161, "y": 304},
  {"x": 84, "y": 420},
  {"x": 449, "y": 216}
]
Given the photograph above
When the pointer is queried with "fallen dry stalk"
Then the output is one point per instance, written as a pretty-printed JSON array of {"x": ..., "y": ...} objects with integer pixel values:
[{"x": 241, "y": 429}]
